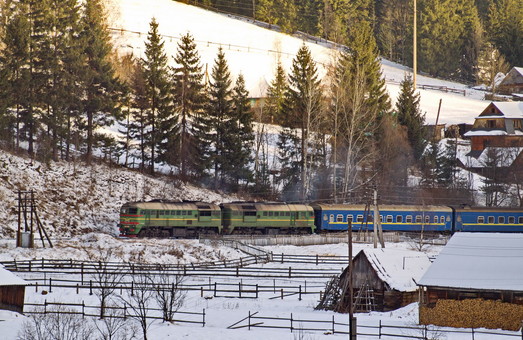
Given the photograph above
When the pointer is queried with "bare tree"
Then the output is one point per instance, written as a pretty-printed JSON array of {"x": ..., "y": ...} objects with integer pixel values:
[
  {"x": 114, "y": 326},
  {"x": 139, "y": 300},
  {"x": 168, "y": 293},
  {"x": 57, "y": 324}
]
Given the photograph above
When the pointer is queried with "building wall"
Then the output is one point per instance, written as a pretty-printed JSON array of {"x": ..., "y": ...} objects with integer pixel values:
[
  {"x": 478, "y": 143},
  {"x": 12, "y": 298}
]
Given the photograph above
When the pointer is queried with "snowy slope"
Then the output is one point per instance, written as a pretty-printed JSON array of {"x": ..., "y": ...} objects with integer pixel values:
[{"x": 254, "y": 52}]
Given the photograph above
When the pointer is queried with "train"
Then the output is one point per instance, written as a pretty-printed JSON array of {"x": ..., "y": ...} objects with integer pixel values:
[{"x": 160, "y": 218}]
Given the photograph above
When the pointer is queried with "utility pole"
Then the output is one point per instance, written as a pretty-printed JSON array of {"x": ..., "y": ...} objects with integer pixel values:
[
  {"x": 415, "y": 50},
  {"x": 378, "y": 230},
  {"x": 352, "y": 319}
]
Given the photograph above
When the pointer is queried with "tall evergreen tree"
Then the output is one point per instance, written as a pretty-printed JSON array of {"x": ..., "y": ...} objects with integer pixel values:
[
  {"x": 276, "y": 96},
  {"x": 241, "y": 135},
  {"x": 410, "y": 116},
  {"x": 189, "y": 101},
  {"x": 101, "y": 88},
  {"x": 506, "y": 29},
  {"x": 304, "y": 108},
  {"x": 219, "y": 112},
  {"x": 394, "y": 30},
  {"x": 158, "y": 92},
  {"x": 278, "y": 12}
]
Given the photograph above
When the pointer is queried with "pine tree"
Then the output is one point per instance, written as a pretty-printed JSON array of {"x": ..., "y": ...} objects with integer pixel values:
[
  {"x": 304, "y": 107},
  {"x": 101, "y": 87},
  {"x": 219, "y": 113},
  {"x": 189, "y": 101},
  {"x": 290, "y": 164},
  {"x": 490, "y": 63},
  {"x": 278, "y": 12},
  {"x": 159, "y": 117},
  {"x": 276, "y": 96},
  {"x": 394, "y": 30},
  {"x": 505, "y": 26},
  {"x": 410, "y": 116},
  {"x": 241, "y": 135}
]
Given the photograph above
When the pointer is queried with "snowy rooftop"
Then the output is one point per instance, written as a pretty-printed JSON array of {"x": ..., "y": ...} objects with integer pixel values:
[
  {"x": 479, "y": 261},
  {"x": 510, "y": 109},
  {"x": 9, "y": 279},
  {"x": 398, "y": 268}
]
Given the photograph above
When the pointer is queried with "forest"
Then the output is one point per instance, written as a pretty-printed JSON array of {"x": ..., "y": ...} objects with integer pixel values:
[{"x": 63, "y": 87}]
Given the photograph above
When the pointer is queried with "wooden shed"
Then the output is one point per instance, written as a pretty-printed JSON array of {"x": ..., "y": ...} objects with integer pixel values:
[
  {"x": 12, "y": 291},
  {"x": 384, "y": 279},
  {"x": 476, "y": 281},
  {"x": 512, "y": 84}
]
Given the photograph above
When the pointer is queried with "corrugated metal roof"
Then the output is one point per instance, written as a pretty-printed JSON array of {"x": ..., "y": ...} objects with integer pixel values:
[
  {"x": 172, "y": 205},
  {"x": 483, "y": 261}
]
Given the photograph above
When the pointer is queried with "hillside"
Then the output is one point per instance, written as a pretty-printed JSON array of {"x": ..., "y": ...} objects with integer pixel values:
[
  {"x": 254, "y": 51},
  {"x": 74, "y": 198}
]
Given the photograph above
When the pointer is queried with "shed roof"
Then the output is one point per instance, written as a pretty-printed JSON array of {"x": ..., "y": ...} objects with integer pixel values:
[
  {"x": 9, "y": 279},
  {"x": 482, "y": 261},
  {"x": 398, "y": 268}
]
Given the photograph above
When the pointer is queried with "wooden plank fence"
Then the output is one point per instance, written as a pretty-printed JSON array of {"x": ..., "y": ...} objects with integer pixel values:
[
  {"x": 381, "y": 330},
  {"x": 122, "y": 312}
]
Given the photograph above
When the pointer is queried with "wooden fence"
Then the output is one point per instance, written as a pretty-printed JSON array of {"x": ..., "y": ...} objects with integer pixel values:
[
  {"x": 121, "y": 312},
  {"x": 444, "y": 89},
  {"x": 381, "y": 330}
]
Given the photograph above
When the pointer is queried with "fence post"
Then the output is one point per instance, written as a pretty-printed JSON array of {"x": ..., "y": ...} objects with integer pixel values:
[
  {"x": 201, "y": 291},
  {"x": 379, "y": 330},
  {"x": 281, "y": 257},
  {"x": 77, "y": 289},
  {"x": 290, "y": 275},
  {"x": 299, "y": 294},
  {"x": 82, "y": 272},
  {"x": 249, "y": 325},
  {"x": 215, "y": 289},
  {"x": 291, "y": 323},
  {"x": 333, "y": 332},
  {"x": 317, "y": 259},
  {"x": 124, "y": 312},
  {"x": 50, "y": 285},
  {"x": 36, "y": 287},
  {"x": 42, "y": 263},
  {"x": 30, "y": 262},
  {"x": 256, "y": 290},
  {"x": 237, "y": 271},
  {"x": 45, "y": 306},
  {"x": 240, "y": 289},
  {"x": 203, "y": 322},
  {"x": 282, "y": 293},
  {"x": 83, "y": 309},
  {"x": 274, "y": 285},
  {"x": 132, "y": 288},
  {"x": 90, "y": 287},
  {"x": 472, "y": 333}
]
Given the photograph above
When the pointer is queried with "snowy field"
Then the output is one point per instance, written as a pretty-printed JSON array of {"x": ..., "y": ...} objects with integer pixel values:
[
  {"x": 254, "y": 51},
  {"x": 222, "y": 312}
]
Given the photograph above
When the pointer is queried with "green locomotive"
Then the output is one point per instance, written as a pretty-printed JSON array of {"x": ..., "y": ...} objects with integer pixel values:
[
  {"x": 191, "y": 219},
  {"x": 169, "y": 219}
]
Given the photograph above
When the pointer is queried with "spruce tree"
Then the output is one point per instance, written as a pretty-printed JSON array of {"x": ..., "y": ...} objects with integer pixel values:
[
  {"x": 276, "y": 96},
  {"x": 189, "y": 101},
  {"x": 101, "y": 88},
  {"x": 505, "y": 27},
  {"x": 159, "y": 117},
  {"x": 410, "y": 116},
  {"x": 219, "y": 113},
  {"x": 304, "y": 107},
  {"x": 278, "y": 12},
  {"x": 241, "y": 136}
]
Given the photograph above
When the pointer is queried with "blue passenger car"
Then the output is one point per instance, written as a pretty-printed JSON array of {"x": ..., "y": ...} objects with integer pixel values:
[
  {"x": 335, "y": 217},
  {"x": 489, "y": 219}
]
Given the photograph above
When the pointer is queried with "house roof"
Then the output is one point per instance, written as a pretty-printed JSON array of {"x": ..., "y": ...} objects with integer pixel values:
[
  {"x": 482, "y": 261},
  {"x": 398, "y": 268},
  {"x": 510, "y": 109},
  {"x": 9, "y": 279}
]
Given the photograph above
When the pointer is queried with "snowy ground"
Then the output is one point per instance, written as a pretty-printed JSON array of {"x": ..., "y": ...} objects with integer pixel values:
[
  {"x": 254, "y": 51},
  {"x": 223, "y": 312}
]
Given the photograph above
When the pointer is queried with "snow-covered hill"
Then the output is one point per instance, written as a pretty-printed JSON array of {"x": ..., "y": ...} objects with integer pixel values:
[
  {"x": 254, "y": 51},
  {"x": 74, "y": 198}
]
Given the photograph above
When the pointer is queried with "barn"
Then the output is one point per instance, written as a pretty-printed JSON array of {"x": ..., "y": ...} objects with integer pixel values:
[
  {"x": 384, "y": 279},
  {"x": 12, "y": 291},
  {"x": 476, "y": 281}
]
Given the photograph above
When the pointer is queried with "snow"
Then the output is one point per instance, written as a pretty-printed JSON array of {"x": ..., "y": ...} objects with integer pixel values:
[
  {"x": 400, "y": 269},
  {"x": 510, "y": 109},
  {"x": 479, "y": 261},
  {"x": 9, "y": 279},
  {"x": 254, "y": 51}
]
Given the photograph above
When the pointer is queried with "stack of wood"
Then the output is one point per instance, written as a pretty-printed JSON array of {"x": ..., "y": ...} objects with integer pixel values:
[{"x": 473, "y": 313}]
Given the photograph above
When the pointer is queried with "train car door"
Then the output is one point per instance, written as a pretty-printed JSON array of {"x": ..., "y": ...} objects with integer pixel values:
[{"x": 293, "y": 218}]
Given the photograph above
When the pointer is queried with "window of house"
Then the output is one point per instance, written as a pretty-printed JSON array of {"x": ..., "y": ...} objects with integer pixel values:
[{"x": 491, "y": 123}]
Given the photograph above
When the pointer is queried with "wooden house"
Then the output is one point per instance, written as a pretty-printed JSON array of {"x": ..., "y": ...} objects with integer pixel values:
[
  {"x": 384, "y": 279},
  {"x": 512, "y": 84},
  {"x": 475, "y": 281},
  {"x": 12, "y": 291}
]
